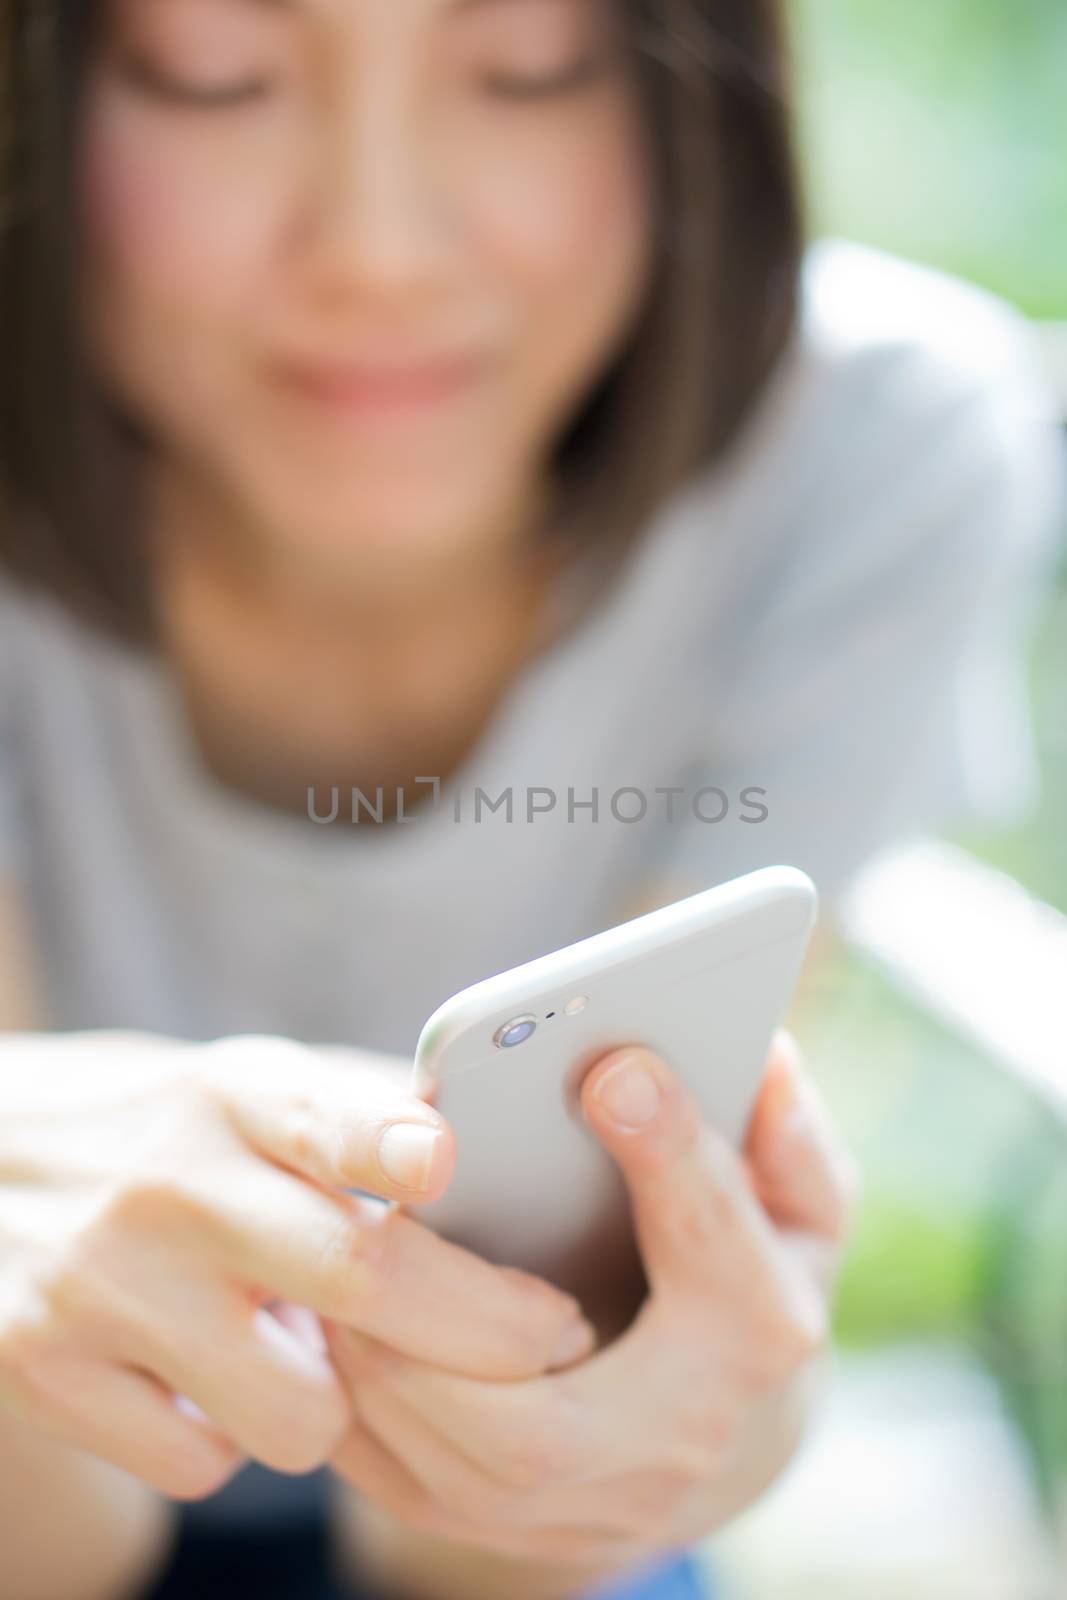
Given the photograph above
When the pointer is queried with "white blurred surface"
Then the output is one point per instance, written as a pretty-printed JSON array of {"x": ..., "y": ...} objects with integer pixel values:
[
  {"x": 912, "y": 1486},
  {"x": 984, "y": 955}
]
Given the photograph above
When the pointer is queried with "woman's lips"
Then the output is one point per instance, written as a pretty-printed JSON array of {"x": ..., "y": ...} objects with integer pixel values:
[{"x": 370, "y": 391}]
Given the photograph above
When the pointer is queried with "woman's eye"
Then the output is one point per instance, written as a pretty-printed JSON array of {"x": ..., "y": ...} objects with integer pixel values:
[
  {"x": 209, "y": 96},
  {"x": 540, "y": 86}
]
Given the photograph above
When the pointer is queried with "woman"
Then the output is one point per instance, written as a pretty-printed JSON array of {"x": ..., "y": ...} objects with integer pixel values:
[{"x": 425, "y": 401}]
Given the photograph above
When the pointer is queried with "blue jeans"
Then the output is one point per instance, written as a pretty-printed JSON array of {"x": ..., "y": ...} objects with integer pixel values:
[
  {"x": 265, "y": 1538},
  {"x": 675, "y": 1578}
]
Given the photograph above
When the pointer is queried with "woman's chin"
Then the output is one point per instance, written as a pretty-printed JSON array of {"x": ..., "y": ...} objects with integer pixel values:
[
  {"x": 364, "y": 539},
  {"x": 431, "y": 517}
]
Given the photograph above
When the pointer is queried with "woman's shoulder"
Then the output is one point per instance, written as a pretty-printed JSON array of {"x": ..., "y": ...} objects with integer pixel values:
[
  {"x": 30, "y": 627},
  {"x": 896, "y": 371},
  {"x": 23, "y": 606},
  {"x": 907, "y": 438},
  {"x": 34, "y": 618},
  {"x": 859, "y": 300},
  {"x": 918, "y": 352},
  {"x": 912, "y": 407},
  {"x": 50, "y": 656},
  {"x": 16, "y": 606}
]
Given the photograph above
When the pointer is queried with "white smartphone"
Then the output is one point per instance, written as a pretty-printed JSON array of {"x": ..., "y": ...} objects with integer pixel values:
[{"x": 704, "y": 982}]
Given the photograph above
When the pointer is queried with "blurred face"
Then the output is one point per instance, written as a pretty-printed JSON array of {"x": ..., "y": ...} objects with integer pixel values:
[{"x": 354, "y": 262}]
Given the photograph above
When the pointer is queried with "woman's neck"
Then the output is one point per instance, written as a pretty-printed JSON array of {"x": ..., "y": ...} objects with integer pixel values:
[
  {"x": 294, "y": 677},
  {"x": 375, "y": 594}
]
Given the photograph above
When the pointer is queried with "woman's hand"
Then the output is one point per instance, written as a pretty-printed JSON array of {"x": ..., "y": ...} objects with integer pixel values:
[
  {"x": 156, "y": 1197},
  {"x": 666, "y": 1433}
]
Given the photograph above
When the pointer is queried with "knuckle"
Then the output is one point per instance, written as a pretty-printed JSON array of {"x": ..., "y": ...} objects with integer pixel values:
[
  {"x": 74, "y": 1291},
  {"x": 705, "y": 1217},
  {"x": 279, "y": 1068},
  {"x": 355, "y": 1353},
  {"x": 534, "y": 1341},
  {"x": 150, "y": 1200},
  {"x": 538, "y": 1457},
  {"x": 698, "y": 1221},
  {"x": 783, "y": 1344},
  {"x": 353, "y": 1263},
  {"x": 760, "y": 1368},
  {"x": 193, "y": 1103},
  {"x": 421, "y": 1511},
  {"x": 689, "y": 1469},
  {"x": 808, "y": 1333},
  {"x": 704, "y": 1444},
  {"x": 30, "y": 1362},
  {"x": 474, "y": 1502},
  {"x": 526, "y": 1466},
  {"x": 652, "y": 1499},
  {"x": 537, "y": 1314},
  {"x": 193, "y": 1087},
  {"x": 301, "y": 1130},
  {"x": 805, "y": 1331}
]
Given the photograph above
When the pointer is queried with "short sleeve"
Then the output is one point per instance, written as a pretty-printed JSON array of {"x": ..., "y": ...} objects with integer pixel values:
[{"x": 906, "y": 521}]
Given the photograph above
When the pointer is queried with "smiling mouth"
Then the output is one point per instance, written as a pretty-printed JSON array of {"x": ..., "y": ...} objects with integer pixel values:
[{"x": 365, "y": 390}]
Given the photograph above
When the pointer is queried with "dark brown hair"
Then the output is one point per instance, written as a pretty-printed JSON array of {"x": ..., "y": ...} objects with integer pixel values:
[{"x": 719, "y": 314}]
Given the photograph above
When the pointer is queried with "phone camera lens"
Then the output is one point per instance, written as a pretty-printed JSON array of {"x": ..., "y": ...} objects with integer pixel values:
[{"x": 514, "y": 1032}]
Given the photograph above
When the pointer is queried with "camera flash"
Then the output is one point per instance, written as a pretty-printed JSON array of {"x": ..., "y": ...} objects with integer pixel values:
[{"x": 572, "y": 1007}]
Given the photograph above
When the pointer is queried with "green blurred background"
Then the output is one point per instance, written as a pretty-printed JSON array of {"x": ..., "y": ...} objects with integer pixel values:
[{"x": 937, "y": 129}]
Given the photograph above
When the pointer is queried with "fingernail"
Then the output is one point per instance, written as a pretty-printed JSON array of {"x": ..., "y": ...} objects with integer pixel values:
[
  {"x": 405, "y": 1153},
  {"x": 576, "y": 1340},
  {"x": 629, "y": 1092}
]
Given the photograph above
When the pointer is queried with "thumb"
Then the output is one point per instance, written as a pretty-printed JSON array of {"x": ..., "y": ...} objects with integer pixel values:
[
  {"x": 693, "y": 1204},
  {"x": 335, "y": 1119}
]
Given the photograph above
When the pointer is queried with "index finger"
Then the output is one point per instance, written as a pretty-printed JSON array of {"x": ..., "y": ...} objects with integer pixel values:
[
  {"x": 371, "y": 1266},
  {"x": 333, "y": 1117},
  {"x": 802, "y": 1170}
]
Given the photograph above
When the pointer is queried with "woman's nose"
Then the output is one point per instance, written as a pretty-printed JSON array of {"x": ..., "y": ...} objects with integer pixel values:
[{"x": 378, "y": 217}]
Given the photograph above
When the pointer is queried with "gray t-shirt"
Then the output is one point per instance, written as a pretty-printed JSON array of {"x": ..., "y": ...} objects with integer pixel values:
[{"x": 833, "y": 619}]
